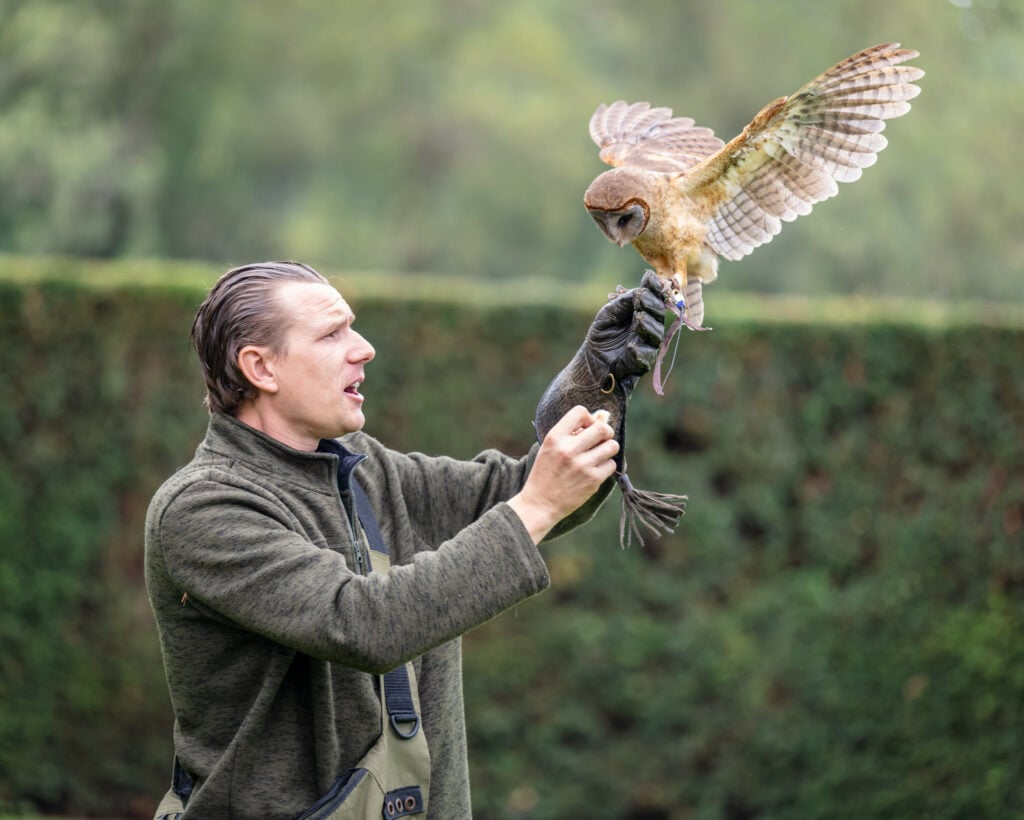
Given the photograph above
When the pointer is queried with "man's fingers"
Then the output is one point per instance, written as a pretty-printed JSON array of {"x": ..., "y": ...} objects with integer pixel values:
[
  {"x": 594, "y": 444},
  {"x": 579, "y": 418},
  {"x": 580, "y": 432},
  {"x": 573, "y": 421},
  {"x": 596, "y": 428}
]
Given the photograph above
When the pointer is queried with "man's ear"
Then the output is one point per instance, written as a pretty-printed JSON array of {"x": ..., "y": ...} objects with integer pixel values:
[{"x": 257, "y": 365}]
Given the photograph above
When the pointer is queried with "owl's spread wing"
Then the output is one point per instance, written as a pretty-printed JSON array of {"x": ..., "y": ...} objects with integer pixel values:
[
  {"x": 650, "y": 138},
  {"x": 796, "y": 149}
]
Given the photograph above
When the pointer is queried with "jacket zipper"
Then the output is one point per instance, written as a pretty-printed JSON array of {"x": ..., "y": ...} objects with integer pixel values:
[
  {"x": 353, "y": 531},
  {"x": 351, "y": 520}
]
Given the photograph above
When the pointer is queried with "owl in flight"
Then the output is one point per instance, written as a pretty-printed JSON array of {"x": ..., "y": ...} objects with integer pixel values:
[{"x": 684, "y": 198}]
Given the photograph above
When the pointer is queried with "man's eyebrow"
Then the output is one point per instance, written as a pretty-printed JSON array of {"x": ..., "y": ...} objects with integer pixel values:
[
  {"x": 345, "y": 309},
  {"x": 336, "y": 322}
]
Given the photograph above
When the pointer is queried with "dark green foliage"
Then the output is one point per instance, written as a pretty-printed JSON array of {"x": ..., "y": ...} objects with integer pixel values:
[
  {"x": 101, "y": 404},
  {"x": 833, "y": 631}
]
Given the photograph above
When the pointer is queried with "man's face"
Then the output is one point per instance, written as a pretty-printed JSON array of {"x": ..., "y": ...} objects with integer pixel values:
[{"x": 320, "y": 366}]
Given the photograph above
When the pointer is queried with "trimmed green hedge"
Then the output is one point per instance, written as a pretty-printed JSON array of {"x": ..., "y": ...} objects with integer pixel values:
[{"x": 833, "y": 632}]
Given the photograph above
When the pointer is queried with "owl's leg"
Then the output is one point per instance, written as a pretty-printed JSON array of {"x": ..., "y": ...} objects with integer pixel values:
[
  {"x": 677, "y": 284},
  {"x": 683, "y": 306},
  {"x": 691, "y": 311}
]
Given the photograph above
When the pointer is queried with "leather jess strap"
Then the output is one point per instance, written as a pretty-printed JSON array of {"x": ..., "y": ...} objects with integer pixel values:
[{"x": 397, "y": 691}]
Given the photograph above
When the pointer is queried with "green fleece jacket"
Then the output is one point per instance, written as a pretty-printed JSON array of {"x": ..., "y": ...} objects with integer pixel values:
[{"x": 268, "y": 628}]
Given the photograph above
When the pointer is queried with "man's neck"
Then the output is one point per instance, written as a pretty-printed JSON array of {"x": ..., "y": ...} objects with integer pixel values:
[{"x": 271, "y": 424}]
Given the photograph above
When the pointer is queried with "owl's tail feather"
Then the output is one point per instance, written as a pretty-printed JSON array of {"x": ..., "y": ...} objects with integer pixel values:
[{"x": 658, "y": 512}]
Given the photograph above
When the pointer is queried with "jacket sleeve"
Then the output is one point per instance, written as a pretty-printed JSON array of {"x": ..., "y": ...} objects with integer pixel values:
[
  {"x": 242, "y": 558},
  {"x": 438, "y": 496}
]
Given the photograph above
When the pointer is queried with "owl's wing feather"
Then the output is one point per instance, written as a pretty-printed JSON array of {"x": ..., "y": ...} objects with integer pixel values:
[
  {"x": 796, "y": 149},
  {"x": 645, "y": 137}
]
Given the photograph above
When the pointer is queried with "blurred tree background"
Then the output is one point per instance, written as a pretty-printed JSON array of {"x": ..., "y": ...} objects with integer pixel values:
[
  {"x": 835, "y": 629},
  {"x": 451, "y": 136}
]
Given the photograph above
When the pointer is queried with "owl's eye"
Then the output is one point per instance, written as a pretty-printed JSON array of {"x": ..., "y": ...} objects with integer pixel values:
[{"x": 624, "y": 220}]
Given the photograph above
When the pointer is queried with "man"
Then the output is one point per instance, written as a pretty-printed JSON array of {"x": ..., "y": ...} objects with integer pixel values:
[{"x": 272, "y": 626}]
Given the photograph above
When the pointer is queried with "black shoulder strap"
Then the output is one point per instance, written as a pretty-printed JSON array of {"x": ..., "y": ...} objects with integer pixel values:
[
  {"x": 397, "y": 691},
  {"x": 364, "y": 511}
]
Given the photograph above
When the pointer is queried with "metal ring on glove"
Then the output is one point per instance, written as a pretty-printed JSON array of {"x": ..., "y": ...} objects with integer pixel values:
[{"x": 611, "y": 387}]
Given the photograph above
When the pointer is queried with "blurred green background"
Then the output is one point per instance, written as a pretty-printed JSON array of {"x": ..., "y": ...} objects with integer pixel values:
[
  {"x": 835, "y": 629},
  {"x": 451, "y": 136}
]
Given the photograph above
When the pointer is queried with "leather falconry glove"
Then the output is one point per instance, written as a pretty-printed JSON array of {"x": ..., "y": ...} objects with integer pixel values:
[{"x": 620, "y": 347}]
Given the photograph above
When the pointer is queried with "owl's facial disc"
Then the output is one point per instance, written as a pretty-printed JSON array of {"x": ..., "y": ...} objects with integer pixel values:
[{"x": 622, "y": 226}]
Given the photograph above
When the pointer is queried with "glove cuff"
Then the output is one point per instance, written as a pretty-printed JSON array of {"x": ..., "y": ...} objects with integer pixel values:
[{"x": 585, "y": 381}]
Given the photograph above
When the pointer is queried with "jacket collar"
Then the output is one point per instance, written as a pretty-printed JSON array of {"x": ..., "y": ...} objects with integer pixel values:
[{"x": 330, "y": 462}]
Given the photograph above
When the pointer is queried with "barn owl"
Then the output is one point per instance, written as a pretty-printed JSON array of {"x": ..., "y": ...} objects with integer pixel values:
[{"x": 684, "y": 198}]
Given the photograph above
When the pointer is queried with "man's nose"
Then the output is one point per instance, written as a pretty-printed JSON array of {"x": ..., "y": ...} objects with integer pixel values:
[{"x": 362, "y": 351}]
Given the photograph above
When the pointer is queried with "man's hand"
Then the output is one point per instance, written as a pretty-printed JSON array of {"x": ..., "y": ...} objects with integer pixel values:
[{"x": 575, "y": 458}]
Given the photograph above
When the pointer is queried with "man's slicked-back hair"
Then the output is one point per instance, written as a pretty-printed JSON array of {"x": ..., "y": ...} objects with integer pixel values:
[{"x": 241, "y": 309}]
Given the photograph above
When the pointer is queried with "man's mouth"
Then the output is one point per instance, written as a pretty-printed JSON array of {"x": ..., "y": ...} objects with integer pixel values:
[{"x": 353, "y": 389}]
